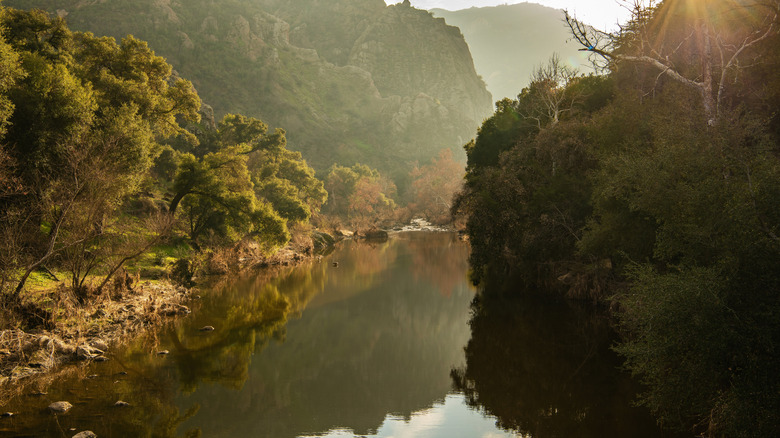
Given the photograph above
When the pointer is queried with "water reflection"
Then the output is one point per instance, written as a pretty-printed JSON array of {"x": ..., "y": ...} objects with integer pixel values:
[
  {"x": 379, "y": 338},
  {"x": 448, "y": 419},
  {"x": 545, "y": 369},
  {"x": 370, "y": 347}
]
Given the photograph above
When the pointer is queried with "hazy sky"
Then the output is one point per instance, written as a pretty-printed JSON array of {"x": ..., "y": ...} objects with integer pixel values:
[{"x": 599, "y": 13}]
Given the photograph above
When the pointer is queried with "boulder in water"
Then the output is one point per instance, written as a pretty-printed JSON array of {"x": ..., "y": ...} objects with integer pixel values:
[{"x": 60, "y": 407}]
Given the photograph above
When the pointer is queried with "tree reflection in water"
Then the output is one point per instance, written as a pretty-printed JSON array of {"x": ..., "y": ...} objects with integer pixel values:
[
  {"x": 451, "y": 258},
  {"x": 545, "y": 369},
  {"x": 377, "y": 339}
]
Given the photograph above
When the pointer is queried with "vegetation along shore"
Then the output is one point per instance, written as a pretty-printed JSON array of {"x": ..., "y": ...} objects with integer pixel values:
[{"x": 119, "y": 191}]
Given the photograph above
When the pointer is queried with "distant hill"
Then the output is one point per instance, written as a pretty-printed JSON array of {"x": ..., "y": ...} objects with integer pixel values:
[
  {"x": 508, "y": 41},
  {"x": 350, "y": 80}
]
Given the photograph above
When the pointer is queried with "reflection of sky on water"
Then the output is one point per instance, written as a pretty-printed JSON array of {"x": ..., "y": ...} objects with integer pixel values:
[{"x": 452, "y": 418}]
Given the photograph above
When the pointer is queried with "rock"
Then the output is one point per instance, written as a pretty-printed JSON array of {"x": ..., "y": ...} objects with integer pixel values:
[
  {"x": 344, "y": 233},
  {"x": 99, "y": 358},
  {"x": 207, "y": 328},
  {"x": 375, "y": 234},
  {"x": 322, "y": 240},
  {"x": 85, "y": 434},
  {"x": 122, "y": 404},
  {"x": 60, "y": 407},
  {"x": 335, "y": 264},
  {"x": 85, "y": 352},
  {"x": 41, "y": 359},
  {"x": 62, "y": 347},
  {"x": 99, "y": 344},
  {"x": 162, "y": 352}
]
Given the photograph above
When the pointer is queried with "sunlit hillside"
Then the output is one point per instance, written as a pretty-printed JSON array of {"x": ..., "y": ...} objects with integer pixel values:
[{"x": 350, "y": 81}]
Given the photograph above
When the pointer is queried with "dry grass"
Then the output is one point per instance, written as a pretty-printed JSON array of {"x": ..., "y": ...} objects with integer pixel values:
[{"x": 81, "y": 333}]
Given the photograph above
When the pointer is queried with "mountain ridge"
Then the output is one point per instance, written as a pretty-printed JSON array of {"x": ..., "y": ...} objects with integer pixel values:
[
  {"x": 499, "y": 39},
  {"x": 325, "y": 80}
]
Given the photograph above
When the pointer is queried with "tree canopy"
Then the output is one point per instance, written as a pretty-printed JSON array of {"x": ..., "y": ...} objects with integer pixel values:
[
  {"x": 90, "y": 126},
  {"x": 657, "y": 189}
]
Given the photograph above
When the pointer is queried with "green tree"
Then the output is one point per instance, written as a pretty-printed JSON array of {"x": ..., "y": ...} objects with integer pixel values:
[
  {"x": 527, "y": 206},
  {"x": 218, "y": 196},
  {"x": 684, "y": 204},
  {"x": 701, "y": 314},
  {"x": 284, "y": 179},
  {"x": 246, "y": 182},
  {"x": 80, "y": 137},
  {"x": 659, "y": 186},
  {"x": 497, "y": 134}
]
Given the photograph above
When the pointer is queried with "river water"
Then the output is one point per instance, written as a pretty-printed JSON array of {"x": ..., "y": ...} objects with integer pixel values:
[{"x": 380, "y": 339}]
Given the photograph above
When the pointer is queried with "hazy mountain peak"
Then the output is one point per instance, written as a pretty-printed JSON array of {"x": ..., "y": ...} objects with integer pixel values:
[{"x": 508, "y": 41}]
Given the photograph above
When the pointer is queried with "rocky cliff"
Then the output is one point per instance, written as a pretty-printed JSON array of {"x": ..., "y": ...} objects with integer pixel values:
[{"x": 350, "y": 80}]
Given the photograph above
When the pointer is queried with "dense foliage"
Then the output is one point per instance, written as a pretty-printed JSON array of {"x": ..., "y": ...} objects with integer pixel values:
[
  {"x": 85, "y": 119},
  {"x": 103, "y": 155},
  {"x": 359, "y": 195},
  {"x": 658, "y": 186}
]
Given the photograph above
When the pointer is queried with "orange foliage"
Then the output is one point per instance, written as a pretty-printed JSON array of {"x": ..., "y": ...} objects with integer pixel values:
[{"x": 434, "y": 186}]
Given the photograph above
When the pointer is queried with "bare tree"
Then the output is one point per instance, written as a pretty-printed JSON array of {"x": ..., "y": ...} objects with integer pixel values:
[
  {"x": 551, "y": 91},
  {"x": 706, "y": 56}
]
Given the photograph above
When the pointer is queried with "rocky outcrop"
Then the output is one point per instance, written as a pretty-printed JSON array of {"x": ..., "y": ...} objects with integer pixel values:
[{"x": 408, "y": 53}]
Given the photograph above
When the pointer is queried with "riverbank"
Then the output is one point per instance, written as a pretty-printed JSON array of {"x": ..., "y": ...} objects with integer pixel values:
[
  {"x": 79, "y": 334},
  {"x": 391, "y": 319},
  {"x": 73, "y": 333},
  {"x": 87, "y": 333}
]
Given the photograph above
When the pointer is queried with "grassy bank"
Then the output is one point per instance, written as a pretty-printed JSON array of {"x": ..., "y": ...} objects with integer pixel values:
[{"x": 49, "y": 327}]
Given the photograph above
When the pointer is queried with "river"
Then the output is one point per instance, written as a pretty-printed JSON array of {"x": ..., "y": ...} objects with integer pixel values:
[{"x": 380, "y": 339}]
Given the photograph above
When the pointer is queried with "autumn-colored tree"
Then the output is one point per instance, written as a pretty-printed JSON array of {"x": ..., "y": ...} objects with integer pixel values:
[
  {"x": 359, "y": 195},
  {"x": 369, "y": 204},
  {"x": 434, "y": 186}
]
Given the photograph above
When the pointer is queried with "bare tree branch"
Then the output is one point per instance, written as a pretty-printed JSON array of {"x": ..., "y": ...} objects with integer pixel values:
[{"x": 637, "y": 46}]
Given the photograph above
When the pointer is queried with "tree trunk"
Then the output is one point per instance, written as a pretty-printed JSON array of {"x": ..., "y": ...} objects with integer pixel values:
[
  {"x": 175, "y": 201},
  {"x": 707, "y": 89}
]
